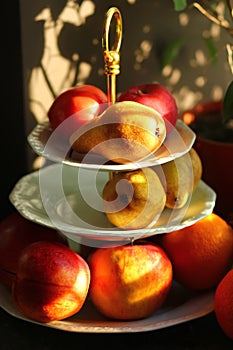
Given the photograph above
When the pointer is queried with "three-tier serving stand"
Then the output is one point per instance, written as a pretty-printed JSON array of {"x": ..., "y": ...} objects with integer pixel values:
[{"x": 66, "y": 195}]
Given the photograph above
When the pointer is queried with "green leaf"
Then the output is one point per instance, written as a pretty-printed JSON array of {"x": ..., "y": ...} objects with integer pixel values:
[
  {"x": 180, "y": 5},
  {"x": 213, "y": 51},
  {"x": 228, "y": 104},
  {"x": 171, "y": 52}
]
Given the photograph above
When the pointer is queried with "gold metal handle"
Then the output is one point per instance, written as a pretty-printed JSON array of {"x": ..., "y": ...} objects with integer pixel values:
[{"x": 112, "y": 54}]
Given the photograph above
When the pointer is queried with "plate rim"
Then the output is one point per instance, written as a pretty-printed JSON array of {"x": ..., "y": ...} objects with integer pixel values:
[
  {"x": 120, "y": 235},
  {"x": 202, "y": 304},
  {"x": 39, "y": 147}
]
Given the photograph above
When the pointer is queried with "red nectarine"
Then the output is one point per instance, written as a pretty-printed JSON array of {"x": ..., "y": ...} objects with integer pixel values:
[
  {"x": 16, "y": 233},
  {"x": 74, "y": 100},
  {"x": 131, "y": 281},
  {"x": 155, "y": 96},
  {"x": 52, "y": 282}
]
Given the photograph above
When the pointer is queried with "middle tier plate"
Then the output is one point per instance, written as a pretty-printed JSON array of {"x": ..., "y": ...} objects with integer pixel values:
[
  {"x": 51, "y": 146},
  {"x": 69, "y": 200}
]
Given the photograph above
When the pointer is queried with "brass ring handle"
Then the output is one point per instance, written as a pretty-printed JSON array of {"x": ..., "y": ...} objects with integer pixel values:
[
  {"x": 112, "y": 55},
  {"x": 113, "y": 11}
]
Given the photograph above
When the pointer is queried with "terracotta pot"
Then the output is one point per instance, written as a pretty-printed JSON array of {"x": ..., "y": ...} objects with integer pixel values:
[{"x": 216, "y": 156}]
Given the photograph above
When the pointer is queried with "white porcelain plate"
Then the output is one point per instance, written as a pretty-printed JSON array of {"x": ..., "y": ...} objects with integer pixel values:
[
  {"x": 180, "y": 306},
  {"x": 50, "y": 145},
  {"x": 69, "y": 199}
]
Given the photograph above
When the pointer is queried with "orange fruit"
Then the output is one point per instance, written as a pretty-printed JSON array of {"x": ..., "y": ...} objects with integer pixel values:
[
  {"x": 201, "y": 254},
  {"x": 223, "y": 304}
]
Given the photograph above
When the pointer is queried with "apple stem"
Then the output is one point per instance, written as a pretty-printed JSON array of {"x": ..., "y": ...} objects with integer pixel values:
[{"x": 140, "y": 92}]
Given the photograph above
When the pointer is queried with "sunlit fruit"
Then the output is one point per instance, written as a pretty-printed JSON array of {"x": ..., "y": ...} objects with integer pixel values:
[
  {"x": 125, "y": 132},
  {"x": 156, "y": 96},
  {"x": 201, "y": 254},
  {"x": 223, "y": 304},
  {"x": 134, "y": 199},
  {"x": 181, "y": 177},
  {"x": 16, "y": 233},
  {"x": 130, "y": 281},
  {"x": 52, "y": 282},
  {"x": 83, "y": 103}
]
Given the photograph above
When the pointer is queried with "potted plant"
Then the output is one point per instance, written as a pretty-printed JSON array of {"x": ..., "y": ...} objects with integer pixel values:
[{"x": 213, "y": 121}]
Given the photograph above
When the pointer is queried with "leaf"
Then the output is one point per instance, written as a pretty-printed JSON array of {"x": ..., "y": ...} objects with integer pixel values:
[
  {"x": 213, "y": 51},
  {"x": 228, "y": 104},
  {"x": 171, "y": 52},
  {"x": 180, "y": 5}
]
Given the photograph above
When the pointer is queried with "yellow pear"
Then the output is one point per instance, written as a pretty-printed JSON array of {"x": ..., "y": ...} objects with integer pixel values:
[
  {"x": 181, "y": 177},
  {"x": 134, "y": 199},
  {"x": 197, "y": 167},
  {"x": 125, "y": 132}
]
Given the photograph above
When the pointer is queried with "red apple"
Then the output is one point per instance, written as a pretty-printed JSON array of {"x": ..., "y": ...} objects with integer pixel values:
[
  {"x": 52, "y": 282},
  {"x": 131, "y": 281},
  {"x": 156, "y": 96},
  {"x": 16, "y": 233},
  {"x": 83, "y": 103}
]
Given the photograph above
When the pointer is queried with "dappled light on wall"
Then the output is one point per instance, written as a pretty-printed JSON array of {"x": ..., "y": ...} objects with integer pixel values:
[
  {"x": 61, "y": 44},
  {"x": 56, "y": 72}
]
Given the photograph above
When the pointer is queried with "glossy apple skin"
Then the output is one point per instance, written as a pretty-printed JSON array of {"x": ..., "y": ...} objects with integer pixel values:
[
  {"x": 72, "y": 102},
  {"x": 157, "y": 97},
  {"x": 52, "y": 282},
  {"x": 16, "y": 233},
  {"x": 129, "y": 282}
]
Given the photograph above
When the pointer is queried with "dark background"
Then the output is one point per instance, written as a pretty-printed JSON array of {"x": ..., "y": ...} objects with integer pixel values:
[
  {"x": 13, "y": 143},
  {"x": 200, "y": 334}
]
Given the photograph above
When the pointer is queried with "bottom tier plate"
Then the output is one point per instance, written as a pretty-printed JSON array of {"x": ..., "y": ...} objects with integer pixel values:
[{"x": 180, "y": 306}]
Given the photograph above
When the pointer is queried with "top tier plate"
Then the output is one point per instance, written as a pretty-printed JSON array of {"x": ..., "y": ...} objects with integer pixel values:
[{"x": 48, "y": 144}]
